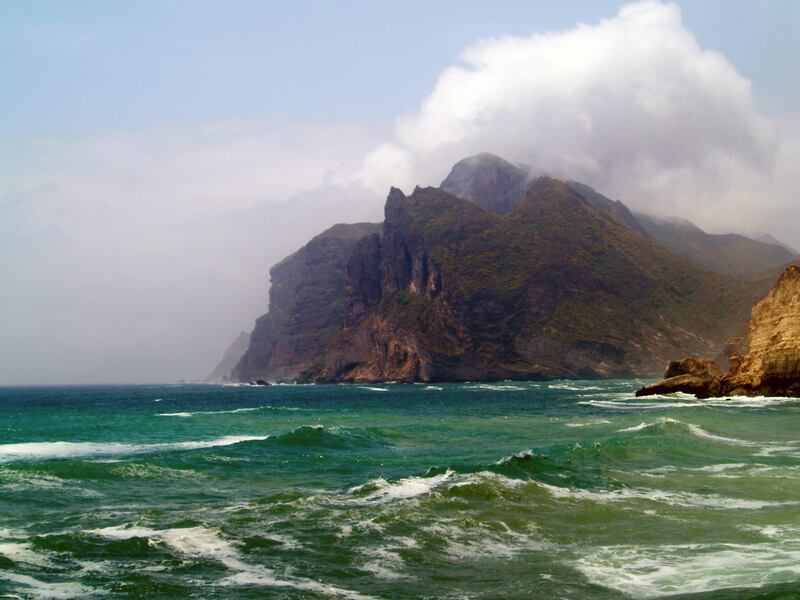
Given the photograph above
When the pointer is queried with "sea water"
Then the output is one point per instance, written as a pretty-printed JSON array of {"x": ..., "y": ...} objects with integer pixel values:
[{"x": 503, "y": 490}]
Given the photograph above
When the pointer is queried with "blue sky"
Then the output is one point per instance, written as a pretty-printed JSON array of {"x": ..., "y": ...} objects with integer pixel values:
[
  {"x": 79, "y": 67},
  {"x": 157, "y": 157}
]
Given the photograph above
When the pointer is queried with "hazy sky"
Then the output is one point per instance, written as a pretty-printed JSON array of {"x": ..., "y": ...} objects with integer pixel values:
[{"x": 157, "y": 157}]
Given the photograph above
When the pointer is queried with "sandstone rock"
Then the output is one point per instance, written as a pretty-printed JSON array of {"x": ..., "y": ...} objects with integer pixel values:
[
  {"x": 698, "y": 376},
  {"x": 771, "y": 365}
]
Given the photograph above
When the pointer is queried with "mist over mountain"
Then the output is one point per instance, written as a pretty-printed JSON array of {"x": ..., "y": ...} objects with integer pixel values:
[
  {"x": 128, "y": 222},
  {"x": 559, "y": 282}
]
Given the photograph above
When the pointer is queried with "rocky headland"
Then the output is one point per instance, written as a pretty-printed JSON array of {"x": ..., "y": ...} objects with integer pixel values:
[
  {"x": 771, "y": 365},
  {"x": 497, "y": 275}
]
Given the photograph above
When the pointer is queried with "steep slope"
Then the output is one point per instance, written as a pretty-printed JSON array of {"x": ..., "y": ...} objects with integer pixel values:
[
  {"x": 230, "y": 359},
  {"x": 552, "y": 288},
  {"x": 771, "y": 365},
  {"x": 770, "y": 239},
  {"x": 498, "y": 186},
  {"x": 307, "y": 306},
  {"x": 615, "y": 208},
  {"x": 488, "y": 181},
  {"x": 731, "y": 254}
]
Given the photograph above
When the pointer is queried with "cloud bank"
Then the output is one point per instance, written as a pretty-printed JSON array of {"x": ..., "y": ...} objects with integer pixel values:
[
  {"x": 632, "y": 105},
  {"x": 137, "y": 256}
]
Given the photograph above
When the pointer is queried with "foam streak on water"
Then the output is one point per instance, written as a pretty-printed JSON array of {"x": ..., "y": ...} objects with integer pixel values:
[{"x": 568, "y": 489}]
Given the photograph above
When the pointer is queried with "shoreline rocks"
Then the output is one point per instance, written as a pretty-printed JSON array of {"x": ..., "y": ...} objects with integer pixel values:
[{"x": 771, "y": 365}]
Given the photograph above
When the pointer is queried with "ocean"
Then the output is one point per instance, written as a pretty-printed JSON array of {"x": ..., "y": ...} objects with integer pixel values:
[{"x": 507, "y": 490}]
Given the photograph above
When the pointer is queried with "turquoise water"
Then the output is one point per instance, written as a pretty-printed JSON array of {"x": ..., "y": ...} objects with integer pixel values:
[{"x": 509, "y": 490}]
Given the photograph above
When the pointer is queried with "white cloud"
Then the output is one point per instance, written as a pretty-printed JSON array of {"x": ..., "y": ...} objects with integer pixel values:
[
  {"x": 140, "y": 255},
  {"x": 632, "y": 105}
]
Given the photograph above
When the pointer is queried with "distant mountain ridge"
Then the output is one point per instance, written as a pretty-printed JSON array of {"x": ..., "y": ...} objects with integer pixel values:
[
  {"x": 230, "y": 359},
  {"x": 731, "y": 253},
  {"x": 495, "y": 276},
  {"x": 497, "y": 185}
]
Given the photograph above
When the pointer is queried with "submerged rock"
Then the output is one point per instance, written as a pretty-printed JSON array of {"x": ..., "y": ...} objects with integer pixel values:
[{"x": 771, "y": 365}]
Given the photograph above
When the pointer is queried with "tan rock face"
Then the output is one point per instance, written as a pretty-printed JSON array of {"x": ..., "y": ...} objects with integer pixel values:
[
  {"x": 772, "y": 362},
  {"x": 771, "y": 366}
]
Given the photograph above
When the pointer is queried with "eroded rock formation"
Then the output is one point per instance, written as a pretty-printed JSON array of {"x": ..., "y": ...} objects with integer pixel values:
[{"x": 771, "y": 365}]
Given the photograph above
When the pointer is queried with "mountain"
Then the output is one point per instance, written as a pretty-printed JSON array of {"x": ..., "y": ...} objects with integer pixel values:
[
  {"x": 615, "y": 208},
  {"x": 730, "y": 253},
  {"x": 306, "y": 306},
  {"x": 769, "y": 367},
  {"x": 488, "y": 181},
  {"x": 551, "y": 288},
  {"x": 494, "y": 276},
  {"x": 229, "y": 360},
  {"x": 769, "y": 239},
  {"x": 498, "y": 186}
]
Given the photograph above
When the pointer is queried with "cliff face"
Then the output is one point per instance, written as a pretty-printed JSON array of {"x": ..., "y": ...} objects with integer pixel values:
[
  {"x": 307, "y": 307},
  {"x": 492, "y": 277},
  {"x": 772, "y": 363},
  {"x": 552, "y": 288}
]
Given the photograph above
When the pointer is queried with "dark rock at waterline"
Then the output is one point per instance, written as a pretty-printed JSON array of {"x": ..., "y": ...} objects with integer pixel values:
[
  {"x": 262, "y": 382},
  {"x": 771, "y": 365},
  {"x": 698, "y": 376}
]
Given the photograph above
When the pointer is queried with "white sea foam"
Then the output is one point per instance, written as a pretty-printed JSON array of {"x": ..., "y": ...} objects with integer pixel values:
[
  {"x": 648, "y": 571},
  {"x": 402, "y": 489},
  {"x": 61, "y": 450},
  {"x": 702, "y": 433},
  {"x": 483, "y": 477},
  {"x": 683, "y": 499},
  {"x": 224, "y": 412},
  {"x": 41, "y": 589},
  {"x": 203, "y": 542},
  {"x": 749, "y": 401},
  {"x": 495, "y": 387},
  {"x": 589, "y": 423},
  {"x": 643, "y": 425},
  {"x": 719, "y": 468},
  {"x": 468, "y": 541},
  {"x": 529, "y": 453},
  {"x": 792, "y": 448},
  {"x": 573, "y": 387},
  {"x": 384, "y": 563},
  {"x": 372, "y": 389},
  {"x": 21, "y": 552}
]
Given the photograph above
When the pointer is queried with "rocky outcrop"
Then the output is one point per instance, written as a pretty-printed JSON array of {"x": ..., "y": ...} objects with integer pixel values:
[
  {"x": 492, "y": 277},
  {"x": 698, "y": 376},
  {"x": 771, "y": 366},
  {"x": 307, "y": 307},
  {"x": 553, "y": 288}
]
